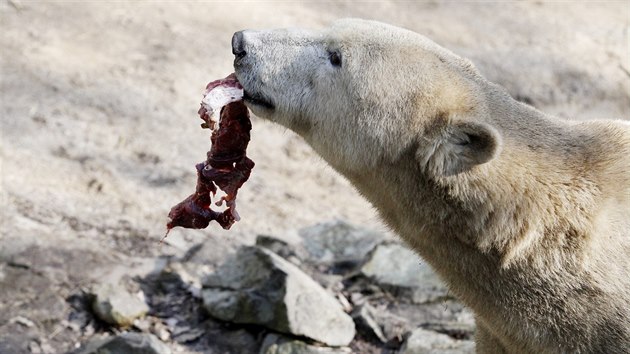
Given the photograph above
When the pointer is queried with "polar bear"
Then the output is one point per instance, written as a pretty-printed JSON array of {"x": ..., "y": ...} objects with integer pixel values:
[{"x": 524, "y": 216}]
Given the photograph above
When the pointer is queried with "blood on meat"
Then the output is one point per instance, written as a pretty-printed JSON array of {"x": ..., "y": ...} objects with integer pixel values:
[{"x": 226, "y": 167}]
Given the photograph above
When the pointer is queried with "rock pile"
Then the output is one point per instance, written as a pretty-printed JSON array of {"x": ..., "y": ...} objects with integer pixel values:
[
  {"x": 337, "y": 289},
  {"x": 256, "y": 286}
]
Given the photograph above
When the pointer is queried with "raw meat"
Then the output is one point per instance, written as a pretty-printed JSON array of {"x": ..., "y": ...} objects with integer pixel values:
[{"x": 227, "y": 165}]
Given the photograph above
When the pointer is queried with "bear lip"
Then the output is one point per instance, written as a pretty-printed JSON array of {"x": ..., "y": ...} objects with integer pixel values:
[{"x": 257, "y": 99}]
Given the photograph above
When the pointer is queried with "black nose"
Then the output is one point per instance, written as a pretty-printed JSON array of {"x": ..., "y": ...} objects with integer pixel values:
[{"x": 238, "y": 45}]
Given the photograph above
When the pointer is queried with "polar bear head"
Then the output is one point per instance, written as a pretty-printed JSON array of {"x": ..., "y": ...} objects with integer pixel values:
[{"x": 363, "y": 93}]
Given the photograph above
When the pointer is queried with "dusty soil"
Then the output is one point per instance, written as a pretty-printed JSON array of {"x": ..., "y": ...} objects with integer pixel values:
[{"x": 100, "y": 134}]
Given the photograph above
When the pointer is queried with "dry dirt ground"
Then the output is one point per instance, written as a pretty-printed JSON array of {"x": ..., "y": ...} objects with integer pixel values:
[{"x": 100, "y": 134}]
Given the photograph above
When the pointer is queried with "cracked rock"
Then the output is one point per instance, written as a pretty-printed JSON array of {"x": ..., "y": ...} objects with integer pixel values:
[
  {"x": 402, "y": 272},
  {"x": 115, "y": 305},
  {"x": 257, "y": 286}
]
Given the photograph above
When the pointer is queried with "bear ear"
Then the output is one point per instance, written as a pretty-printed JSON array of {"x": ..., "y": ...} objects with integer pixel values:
[{"x": 460, "y": 147}]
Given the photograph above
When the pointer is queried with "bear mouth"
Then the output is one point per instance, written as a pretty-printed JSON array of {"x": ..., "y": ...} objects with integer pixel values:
[{"x": 257, "y": 99}]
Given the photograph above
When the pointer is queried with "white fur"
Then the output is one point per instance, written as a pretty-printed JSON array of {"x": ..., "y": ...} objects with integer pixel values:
[{"x": 525, "y": 216}]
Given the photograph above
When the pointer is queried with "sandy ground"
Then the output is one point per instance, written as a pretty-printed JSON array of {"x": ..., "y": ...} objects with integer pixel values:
[{"x": 100, "y": 134}]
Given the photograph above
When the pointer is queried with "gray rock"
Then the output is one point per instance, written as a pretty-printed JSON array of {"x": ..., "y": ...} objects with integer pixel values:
[
  {"x": 189, "y": 275},
  {"x": 338, "y": 241},
  {"x": 399, "y": 270},
  {"x": 293, "y": 252},
  {"x": 276, "y": 344},
  {"x": 257, "y": 286},
  {"x": 226, "y": 341},
  {"x": 211, "y": 252},
  {"x": 126, "y": 343},
  {"x": 187, "y": 334},
  {"x": 449, "y": 317},
  {"x": 115, "y": 305},
  {"x": 394, "y": 327},
  {"x": 396, "y": 319},
  {"x": 363, "y": 316},
  {"x": 454, "y": 329},
  {"x": 422, "y": 341}
]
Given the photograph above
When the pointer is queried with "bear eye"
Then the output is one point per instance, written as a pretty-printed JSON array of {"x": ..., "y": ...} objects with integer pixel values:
[{"x": 335, "y": 58}]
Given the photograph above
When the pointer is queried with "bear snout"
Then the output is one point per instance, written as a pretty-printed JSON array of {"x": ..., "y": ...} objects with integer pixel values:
[{"x": 238, "y": 45}]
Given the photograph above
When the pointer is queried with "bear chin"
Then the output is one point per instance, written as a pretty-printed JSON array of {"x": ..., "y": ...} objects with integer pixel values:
[{"x": 258, "y": 100}]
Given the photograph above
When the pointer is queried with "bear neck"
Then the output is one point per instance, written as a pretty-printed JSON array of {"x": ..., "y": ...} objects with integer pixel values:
[
  {"x": 519, "y": 225},
  {"x": 503, "y": 209}
]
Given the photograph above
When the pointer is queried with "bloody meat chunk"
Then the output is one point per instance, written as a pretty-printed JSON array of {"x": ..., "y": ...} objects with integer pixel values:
[{"x": 227, "y": 165}]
